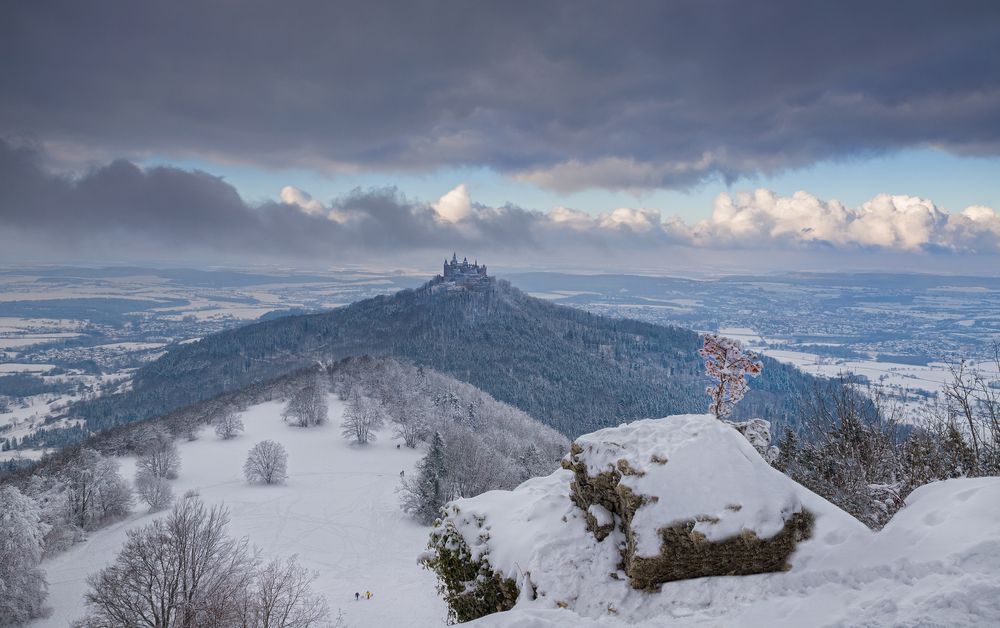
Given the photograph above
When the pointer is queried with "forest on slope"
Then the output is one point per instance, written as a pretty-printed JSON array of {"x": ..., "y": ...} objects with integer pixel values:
[{"x": 570, "y": 369}]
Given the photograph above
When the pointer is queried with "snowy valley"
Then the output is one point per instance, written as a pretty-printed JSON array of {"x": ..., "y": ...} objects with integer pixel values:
[{"x": 338, "y": 511}]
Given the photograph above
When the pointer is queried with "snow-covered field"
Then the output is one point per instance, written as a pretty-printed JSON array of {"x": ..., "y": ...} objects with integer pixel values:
[
  {"x": 930, "y": 378},
  {"x": 338, "y": 511}
]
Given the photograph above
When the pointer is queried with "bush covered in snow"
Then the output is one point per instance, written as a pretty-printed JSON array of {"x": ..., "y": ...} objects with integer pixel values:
[{"x": 467, "y": 582}]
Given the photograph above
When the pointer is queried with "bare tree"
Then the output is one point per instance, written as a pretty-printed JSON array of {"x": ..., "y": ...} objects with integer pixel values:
[
  {"x": 961, "y": 393},
  {"x": 728, "y": 364},
  {"x": 95, "y": 492},
  {"x": 412, "y": 428},
  {"x": 307, "y": 405},
  {"x": 160, "y": 457},
  {"x": 267, "y": 462},
  {"x": 362, "y": 417},
  {"x": 180, "y": 571},
  {"x": 155, "y": 491},
  {"x": 280, "y": 596},
  {"x": 228, "y": 425}
]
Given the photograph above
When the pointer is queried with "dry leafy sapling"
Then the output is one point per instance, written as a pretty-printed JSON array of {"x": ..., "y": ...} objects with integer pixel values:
[{"x": 729, "y": 365}]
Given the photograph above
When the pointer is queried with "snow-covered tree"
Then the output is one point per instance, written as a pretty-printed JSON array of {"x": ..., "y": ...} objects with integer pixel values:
[
  {"x": 267, "y": 462},
  {"x": 412, "y": 429},
  {"x": 94, "y": 490},
  {"x": 362, "y": 417},
  {"x": 159, "y": 457},
  {"x": 153, "y": 490},
  {"x": 22, "y": 533},
  {"x": 51, "y": 496},
  {"x": 424, "y": 495},
  {"x": 729, "y": 365},
  {"x": 307, "y": 405},
  {"x": 852, "y": 456},
  {"x": 228, "y": 425}
]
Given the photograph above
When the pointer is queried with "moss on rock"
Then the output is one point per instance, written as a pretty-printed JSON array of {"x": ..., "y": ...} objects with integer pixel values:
[{"x": 685, "y": 553}]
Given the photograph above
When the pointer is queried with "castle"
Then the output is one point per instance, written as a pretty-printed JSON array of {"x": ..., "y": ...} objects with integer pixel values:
[{"x": 463, "y": 273}]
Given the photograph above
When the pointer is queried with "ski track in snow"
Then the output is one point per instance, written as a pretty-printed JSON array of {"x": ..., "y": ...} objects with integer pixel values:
[{"x": 338, "y": 512}]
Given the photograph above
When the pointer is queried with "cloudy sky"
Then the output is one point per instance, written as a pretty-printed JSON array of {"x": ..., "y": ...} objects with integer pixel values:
[{"x": 670, "y": 135}]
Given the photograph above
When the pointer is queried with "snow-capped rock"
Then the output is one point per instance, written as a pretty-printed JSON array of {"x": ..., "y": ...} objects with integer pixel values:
[
  {"x": 702, "y": 473},
  {"x": 693, "y": 497}
]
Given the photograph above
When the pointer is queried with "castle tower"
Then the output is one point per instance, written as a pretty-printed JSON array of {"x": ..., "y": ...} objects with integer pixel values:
[{"x": 463, "y": 273}]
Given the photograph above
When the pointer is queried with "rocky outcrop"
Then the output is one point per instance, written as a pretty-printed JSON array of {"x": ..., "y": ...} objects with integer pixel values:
[
  {"x": 647, "y": 505},
  {"x": 758, "y": 432},
  {"x": 692, "y": 497}
]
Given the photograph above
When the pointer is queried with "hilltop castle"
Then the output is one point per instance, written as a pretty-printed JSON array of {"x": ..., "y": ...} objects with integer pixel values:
[{"x": 463, "y": 273}]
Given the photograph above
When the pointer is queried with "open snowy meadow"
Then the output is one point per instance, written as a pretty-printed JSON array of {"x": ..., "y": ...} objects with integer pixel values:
[{"x": 338, "y": 511}]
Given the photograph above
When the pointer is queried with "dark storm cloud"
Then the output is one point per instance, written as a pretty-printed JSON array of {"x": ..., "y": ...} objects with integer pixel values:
[
  {"x": 169, "y": 211},
  {"x": 169, "y": 207},
  {"x": 564, "y": 94},
  {"x": 120, "y": 209}
]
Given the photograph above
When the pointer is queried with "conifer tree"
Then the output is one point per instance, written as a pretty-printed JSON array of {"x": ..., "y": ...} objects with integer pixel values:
[{"x": 424, "y": 496}]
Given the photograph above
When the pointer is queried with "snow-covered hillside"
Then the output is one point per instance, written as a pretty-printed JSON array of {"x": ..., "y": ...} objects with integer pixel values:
[{"x": 338, "y": 511}]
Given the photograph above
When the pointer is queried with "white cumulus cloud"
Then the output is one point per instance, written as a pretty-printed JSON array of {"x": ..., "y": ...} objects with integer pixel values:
[
  {"x": 456, "y": 205},
  {"x": 304, "y": 200},
  {"x": 892, "y": 222}
]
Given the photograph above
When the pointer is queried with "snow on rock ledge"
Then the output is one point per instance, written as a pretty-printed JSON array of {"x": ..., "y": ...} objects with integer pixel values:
[
  {"x": 934, "y": 564},
  {"x": 693, "y": 497},
  {"x": 536, "y": 547}
]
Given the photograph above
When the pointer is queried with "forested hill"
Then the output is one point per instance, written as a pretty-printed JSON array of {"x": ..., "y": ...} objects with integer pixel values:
[{"x": 573, "y": 370}]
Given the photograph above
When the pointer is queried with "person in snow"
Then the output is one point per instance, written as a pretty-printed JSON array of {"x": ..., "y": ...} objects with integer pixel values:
[
  {"x": 368, "y": 594},
  {"x": 357, "y": 596}
]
